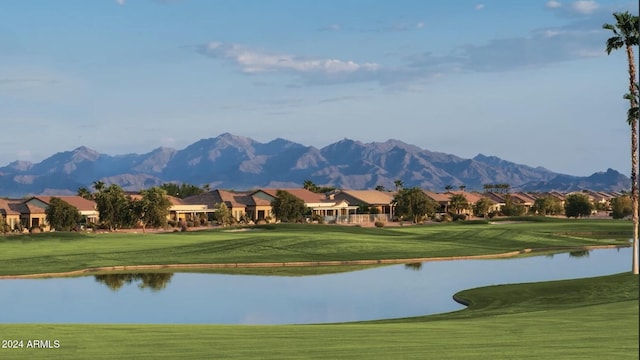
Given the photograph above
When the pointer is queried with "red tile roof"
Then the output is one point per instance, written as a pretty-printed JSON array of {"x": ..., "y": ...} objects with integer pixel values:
[{"x": 78, "y": 202}]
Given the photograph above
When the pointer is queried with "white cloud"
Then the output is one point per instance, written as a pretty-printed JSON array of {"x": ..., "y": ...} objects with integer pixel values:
[
  {"x": 420, "y": 25},
  {"x": 585, "y": 7},
  {"x": 551, "y": 33},
  {"x": 120, "y": 2},
  {"x": 479, "y": 7},
  {"x": 552, "y": 4},
  {"x": 332, "y": 27},
  {"x": 255, "y": 61}
]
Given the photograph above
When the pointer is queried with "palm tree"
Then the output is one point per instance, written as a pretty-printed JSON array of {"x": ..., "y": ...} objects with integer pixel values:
[
  {"x": 399, "y": 184},
  {"x": 98, "y": 185},
  {"x": 309, "y": 185},
  {"x": 457, "y": 203},
  {"x": 85, "y": 193},
  {"x": 625, "y": 34}
]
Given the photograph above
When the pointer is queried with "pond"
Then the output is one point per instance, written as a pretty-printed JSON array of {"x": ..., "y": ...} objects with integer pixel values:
[{"x": 376, "y": 293}]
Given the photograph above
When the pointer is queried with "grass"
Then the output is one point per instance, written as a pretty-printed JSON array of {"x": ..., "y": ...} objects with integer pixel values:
[
  {"x": 594, "y": 318},
  {"x": 60, "y": 252}
]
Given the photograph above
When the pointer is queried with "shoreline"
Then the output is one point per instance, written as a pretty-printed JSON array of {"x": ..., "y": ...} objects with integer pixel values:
[{"x": 120, "y": 268}]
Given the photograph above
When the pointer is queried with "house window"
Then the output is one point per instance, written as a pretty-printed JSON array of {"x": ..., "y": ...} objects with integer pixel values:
[{"x": 35, "y": 222}]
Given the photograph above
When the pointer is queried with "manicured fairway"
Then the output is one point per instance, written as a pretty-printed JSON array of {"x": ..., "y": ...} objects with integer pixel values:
[
  {"x": 593, "y": 318},
  {"x": 60, "y": 252},
  {"x": 576, "y": 319}
]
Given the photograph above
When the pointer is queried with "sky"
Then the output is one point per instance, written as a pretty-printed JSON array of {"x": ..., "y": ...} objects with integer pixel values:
[{"x": 527, "y": 81}]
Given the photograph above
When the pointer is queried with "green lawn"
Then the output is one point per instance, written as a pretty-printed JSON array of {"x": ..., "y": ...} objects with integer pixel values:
[
  {"x": 594, "y": 318},
  {"x": 60, "y": 252}
]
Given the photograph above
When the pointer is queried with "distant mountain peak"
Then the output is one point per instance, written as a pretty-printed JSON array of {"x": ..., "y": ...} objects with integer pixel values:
[{"x": 238, "y": 162}]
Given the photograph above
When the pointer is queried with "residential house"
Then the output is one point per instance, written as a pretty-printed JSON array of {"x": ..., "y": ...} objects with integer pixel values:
[
  {"x": 10, "y": 213},
  {"x": 330, "y": 210},
  {"x": 380, "y": 203},
  {"x": 441, "y": 199},
  {"x": 33, "y": 210},
  {"x": 87, "y": 208},
  {"x": 523, "y": 199}
]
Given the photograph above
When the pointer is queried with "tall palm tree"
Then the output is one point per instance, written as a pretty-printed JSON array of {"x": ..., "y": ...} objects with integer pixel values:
[
  {"x": 399, "y": 184},
  {"x": 85, "y": 193},
  {"x": 625, "y": 34},
  {"x": 457, "y": 203},
  {"x": 98, "y": 185}
]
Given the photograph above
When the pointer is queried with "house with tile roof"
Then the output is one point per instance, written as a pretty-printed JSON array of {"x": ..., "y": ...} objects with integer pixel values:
[
  {"x": 87, "y": 208},
  {"x": 238, "y": 203},
  {"x": 10, "y": 214},
  {"x": 381, "y": 201}
]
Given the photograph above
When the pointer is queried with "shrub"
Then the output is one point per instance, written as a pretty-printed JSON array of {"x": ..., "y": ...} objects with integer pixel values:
[
  {"x": 461, "y": 217},
  {"x": 35, "y": 230},
  {"x": 379, "y": 224}
]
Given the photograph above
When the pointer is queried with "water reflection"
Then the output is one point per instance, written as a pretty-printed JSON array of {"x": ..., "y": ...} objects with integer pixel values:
[
  {"x": 579, "y": 253},
  {"x": 363, "y": 294},
  {"x": 413, "y": 266},
  {"x": 153, "y": 281}
]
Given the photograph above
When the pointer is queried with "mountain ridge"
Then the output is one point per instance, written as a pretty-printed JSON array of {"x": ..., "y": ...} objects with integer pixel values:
[{"x": 238, "y": 162}]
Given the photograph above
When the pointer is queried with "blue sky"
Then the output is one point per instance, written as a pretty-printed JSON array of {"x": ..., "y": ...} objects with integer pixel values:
[{"x": 527, "y": 81}]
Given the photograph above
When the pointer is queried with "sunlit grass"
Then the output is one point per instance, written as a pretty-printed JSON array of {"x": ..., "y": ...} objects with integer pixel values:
[
  {"x": 61, "y": 252},
  {"x": 572, "y": 319}
]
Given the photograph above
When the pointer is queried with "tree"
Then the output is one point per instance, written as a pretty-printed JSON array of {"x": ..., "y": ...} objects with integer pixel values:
[
  {"x": 287, "y": 208},
  {"x": 84, "y": 193},
  {"x": 4, "y": 227},
  {"x": 621, "y": 207},
  {"x": 61, "y": 215},
  {"x": 112, "y": 206},
  {"x": 626, "y": 34},
  {"x": 152, "y": 209},
  {"x": 547, "y": 205},
  {"x": 577, "y": 205},
  {"x": 181, "y": 191},
  {"x": 399, "y": 184},
  {"x": 488, "y": 187},
  {"x": 448, "y": 187},
  {"x": 310, "y": 185},
  {"x": 462, "y": 187},
  {"x": 510, "y": 208},
  {"x": 482, "y": 206},
  {"x": 458, "y": 203},
  {"x": 223, "y": 215},
  {"x": 380, "y": 188},
  {"x": 98, "y": 185},
  {"x": 414, "y": 203}
]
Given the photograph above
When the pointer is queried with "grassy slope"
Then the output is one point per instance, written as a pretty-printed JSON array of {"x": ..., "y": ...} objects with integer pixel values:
[
  {"x": 575, "y": 319},
  {"x": 58, "y": 252}
]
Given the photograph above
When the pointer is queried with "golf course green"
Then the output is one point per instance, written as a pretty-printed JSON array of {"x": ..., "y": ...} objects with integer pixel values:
[{"x": 594, "y": 318}]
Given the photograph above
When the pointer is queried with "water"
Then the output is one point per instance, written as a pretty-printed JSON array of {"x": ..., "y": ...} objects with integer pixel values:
[{"x": 377, "y": 293}]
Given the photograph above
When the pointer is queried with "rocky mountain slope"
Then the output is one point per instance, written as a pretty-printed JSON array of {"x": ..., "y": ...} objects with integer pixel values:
[{"x": 236, "y": 162}]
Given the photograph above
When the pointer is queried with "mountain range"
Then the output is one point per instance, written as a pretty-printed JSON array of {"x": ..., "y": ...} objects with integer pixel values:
[{"x": 236, "y": 162}]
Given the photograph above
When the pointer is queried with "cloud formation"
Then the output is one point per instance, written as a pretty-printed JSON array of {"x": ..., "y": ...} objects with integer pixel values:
[
  {"x": 584, "y": 6},
  {"x": 253, "y": 61},
  {"x": 120, "y": 2},
  {"x": 552, "y": 4},
  {"x": 581, "y": 38},
  {"x": 479, "y": 7}
]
